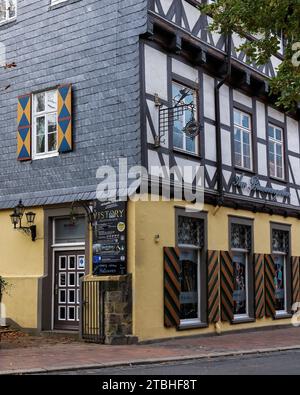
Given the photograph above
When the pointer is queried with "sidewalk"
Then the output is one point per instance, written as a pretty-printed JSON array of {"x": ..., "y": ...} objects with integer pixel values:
[{"x": 54, "y": 356}]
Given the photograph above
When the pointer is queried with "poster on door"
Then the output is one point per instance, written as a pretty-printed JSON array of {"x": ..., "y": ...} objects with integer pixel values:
[{"x": 109, "y": 239}]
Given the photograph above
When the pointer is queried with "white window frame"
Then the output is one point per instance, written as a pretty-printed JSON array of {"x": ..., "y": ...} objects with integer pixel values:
[
  {"x": 276, "y": 143},
  {"x": 193, "y": 321},
  {"x": 250, "y": 133},
  {"x": 184, "y": 149},
  {"x": 7, "y": 18},
  {"x": 238, "y": 317},
  {"x": 35, "y": 115},
  {"x": 283, "y": 312}
]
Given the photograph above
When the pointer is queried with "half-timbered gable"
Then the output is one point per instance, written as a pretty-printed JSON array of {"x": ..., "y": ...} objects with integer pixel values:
[{"x": 257, "y": 164}]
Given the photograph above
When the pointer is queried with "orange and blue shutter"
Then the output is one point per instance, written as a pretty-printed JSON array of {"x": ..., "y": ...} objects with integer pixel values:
[
  {"x": 65, "y": 143},
  {"x": 24, "y": 128}
]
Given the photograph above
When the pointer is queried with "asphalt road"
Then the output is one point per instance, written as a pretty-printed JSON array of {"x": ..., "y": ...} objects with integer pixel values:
[{"x": 283, "y": 363}]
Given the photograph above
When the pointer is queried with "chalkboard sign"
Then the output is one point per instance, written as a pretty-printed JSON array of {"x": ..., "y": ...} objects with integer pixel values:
[{"x": 109, "y": 239}]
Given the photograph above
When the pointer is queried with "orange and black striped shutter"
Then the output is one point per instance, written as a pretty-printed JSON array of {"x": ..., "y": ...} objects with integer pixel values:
[
  {"x": 227, "y": 305},
  {"x": 172, "y": 271},
  {"x": 270, "y": 286},
  {"x": 64, "y": 106},
  {"x": 259, "y": 260},
  {"x": 296, "y": 279},
  {"x": 24, "y": 128},
  {"x": 213, "y": 273}
]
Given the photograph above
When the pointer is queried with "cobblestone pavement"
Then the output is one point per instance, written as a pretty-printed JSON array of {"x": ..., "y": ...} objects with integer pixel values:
[{"x": 33, "y": 354}]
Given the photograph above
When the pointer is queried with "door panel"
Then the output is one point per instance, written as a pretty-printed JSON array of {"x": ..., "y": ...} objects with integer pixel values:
[{"x": 69, "y": 267}]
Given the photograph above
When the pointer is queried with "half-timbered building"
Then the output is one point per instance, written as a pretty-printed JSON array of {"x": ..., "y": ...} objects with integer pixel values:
[{"x": 150, "y": 82}]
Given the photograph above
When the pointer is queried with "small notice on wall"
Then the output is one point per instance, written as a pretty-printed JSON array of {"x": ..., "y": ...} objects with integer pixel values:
[{"x": 109, "y": 239}]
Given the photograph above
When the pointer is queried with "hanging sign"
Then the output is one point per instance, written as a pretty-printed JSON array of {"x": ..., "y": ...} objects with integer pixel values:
[
  {"x": 109, "y": 239},
  {"x": 254, "y": 185}
]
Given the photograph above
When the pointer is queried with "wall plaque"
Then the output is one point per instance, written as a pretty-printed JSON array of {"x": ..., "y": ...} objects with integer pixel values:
[{"x": 109, "y": 239}]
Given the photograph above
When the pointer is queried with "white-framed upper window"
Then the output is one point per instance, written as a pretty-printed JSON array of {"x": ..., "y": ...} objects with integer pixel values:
[
  {"x": 276, "y": 150},
  {"x": 243, "y": 140},
  {"x": 44, "y": 116},
  {"x": 182, "y": 117},
  {"x": 8, "y": 10}
]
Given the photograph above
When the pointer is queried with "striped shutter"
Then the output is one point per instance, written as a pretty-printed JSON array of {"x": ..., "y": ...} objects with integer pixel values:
[
  {"x": 213, "y": 273},
  {"x": 270, "y": 286},
  {"x": 259, "y": 262},
  {"x": 227, "y": 305},
  {"x": 24, "y": 128},
  {"x": 64, "y": 106},
  {"x": 172, "y": 272},
  {"x": 296, "y": 279}
]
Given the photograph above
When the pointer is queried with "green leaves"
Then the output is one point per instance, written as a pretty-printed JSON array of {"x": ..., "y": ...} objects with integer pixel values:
[{"x": 268, "y": 21}]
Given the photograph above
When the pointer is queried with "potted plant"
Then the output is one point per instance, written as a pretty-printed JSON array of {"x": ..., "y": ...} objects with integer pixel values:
[{"x": 3, "y": 287}]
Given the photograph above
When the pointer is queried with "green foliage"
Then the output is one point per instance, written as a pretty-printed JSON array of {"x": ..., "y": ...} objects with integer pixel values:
[{"x": 264, "y": 19}]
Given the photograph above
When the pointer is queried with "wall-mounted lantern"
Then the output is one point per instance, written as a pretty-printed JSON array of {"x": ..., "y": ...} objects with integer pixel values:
[
  {"x": 90, "y": 209},
  {"x": 16, "y": 219}
]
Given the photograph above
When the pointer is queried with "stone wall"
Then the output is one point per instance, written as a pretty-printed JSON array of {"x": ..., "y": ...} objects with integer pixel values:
[{"x": 118, "y": 311}]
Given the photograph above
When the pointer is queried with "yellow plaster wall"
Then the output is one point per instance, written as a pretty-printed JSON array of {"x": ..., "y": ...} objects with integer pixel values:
[
  {"x": 158, "y": 218},
  {"x": 21, "y": 264}
]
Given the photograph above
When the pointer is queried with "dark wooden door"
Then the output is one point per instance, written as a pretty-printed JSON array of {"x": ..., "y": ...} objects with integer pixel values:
[{"x": 70, "y": 266}]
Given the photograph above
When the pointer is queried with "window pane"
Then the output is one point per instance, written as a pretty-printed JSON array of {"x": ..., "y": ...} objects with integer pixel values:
[
  {"x": 279, "y": 282},
  {"x": 247, "y": 162},
  {"x": 40, "y": 144},
  {"x": 278, "y": 134},
  {"x": 246, "y": 122},
  {"x": 237, "y": 117},
  {"x": 246, "y": 138},
  {"x": 52, "y": 134},
  {"x": 11, "y": 8},
  {"x": 189, "y": 285},
  {"x": 240, "y": 284},
  {"x": 40, "y": 135},
  {"x": 52, "y": 100},
  {"x": 190, "y": 144},
  {"x": 52, "y": 142},
  {"x": 40, "y": 102},
  {"x": 69, "y": 232},
  {"x": 271, "y": 132},
  {"x": 238, "y": 160},
  {"x": 237, "y": 134}
]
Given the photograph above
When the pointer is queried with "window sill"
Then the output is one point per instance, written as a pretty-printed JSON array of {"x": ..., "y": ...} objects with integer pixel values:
[
  {"x": 283, "y": 316},
  {"x": 62, "y": 4},
  {"x": 8, "y": 22},
  {"x": 54, "y": 155},
  {"x": 281, "y": 180},
  {"x": 245, "y": 171},
  {"x": 187, "y": 153},
  {"x": 195, "y": 325},
  {"x": 246, "y": 320}
]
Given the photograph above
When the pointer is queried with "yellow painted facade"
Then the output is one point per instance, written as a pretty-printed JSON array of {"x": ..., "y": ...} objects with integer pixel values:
[
  {"x": 21, "y": 264},
  {"x": 158, "y": 218},
  {"x": 151, "y": 226}
]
